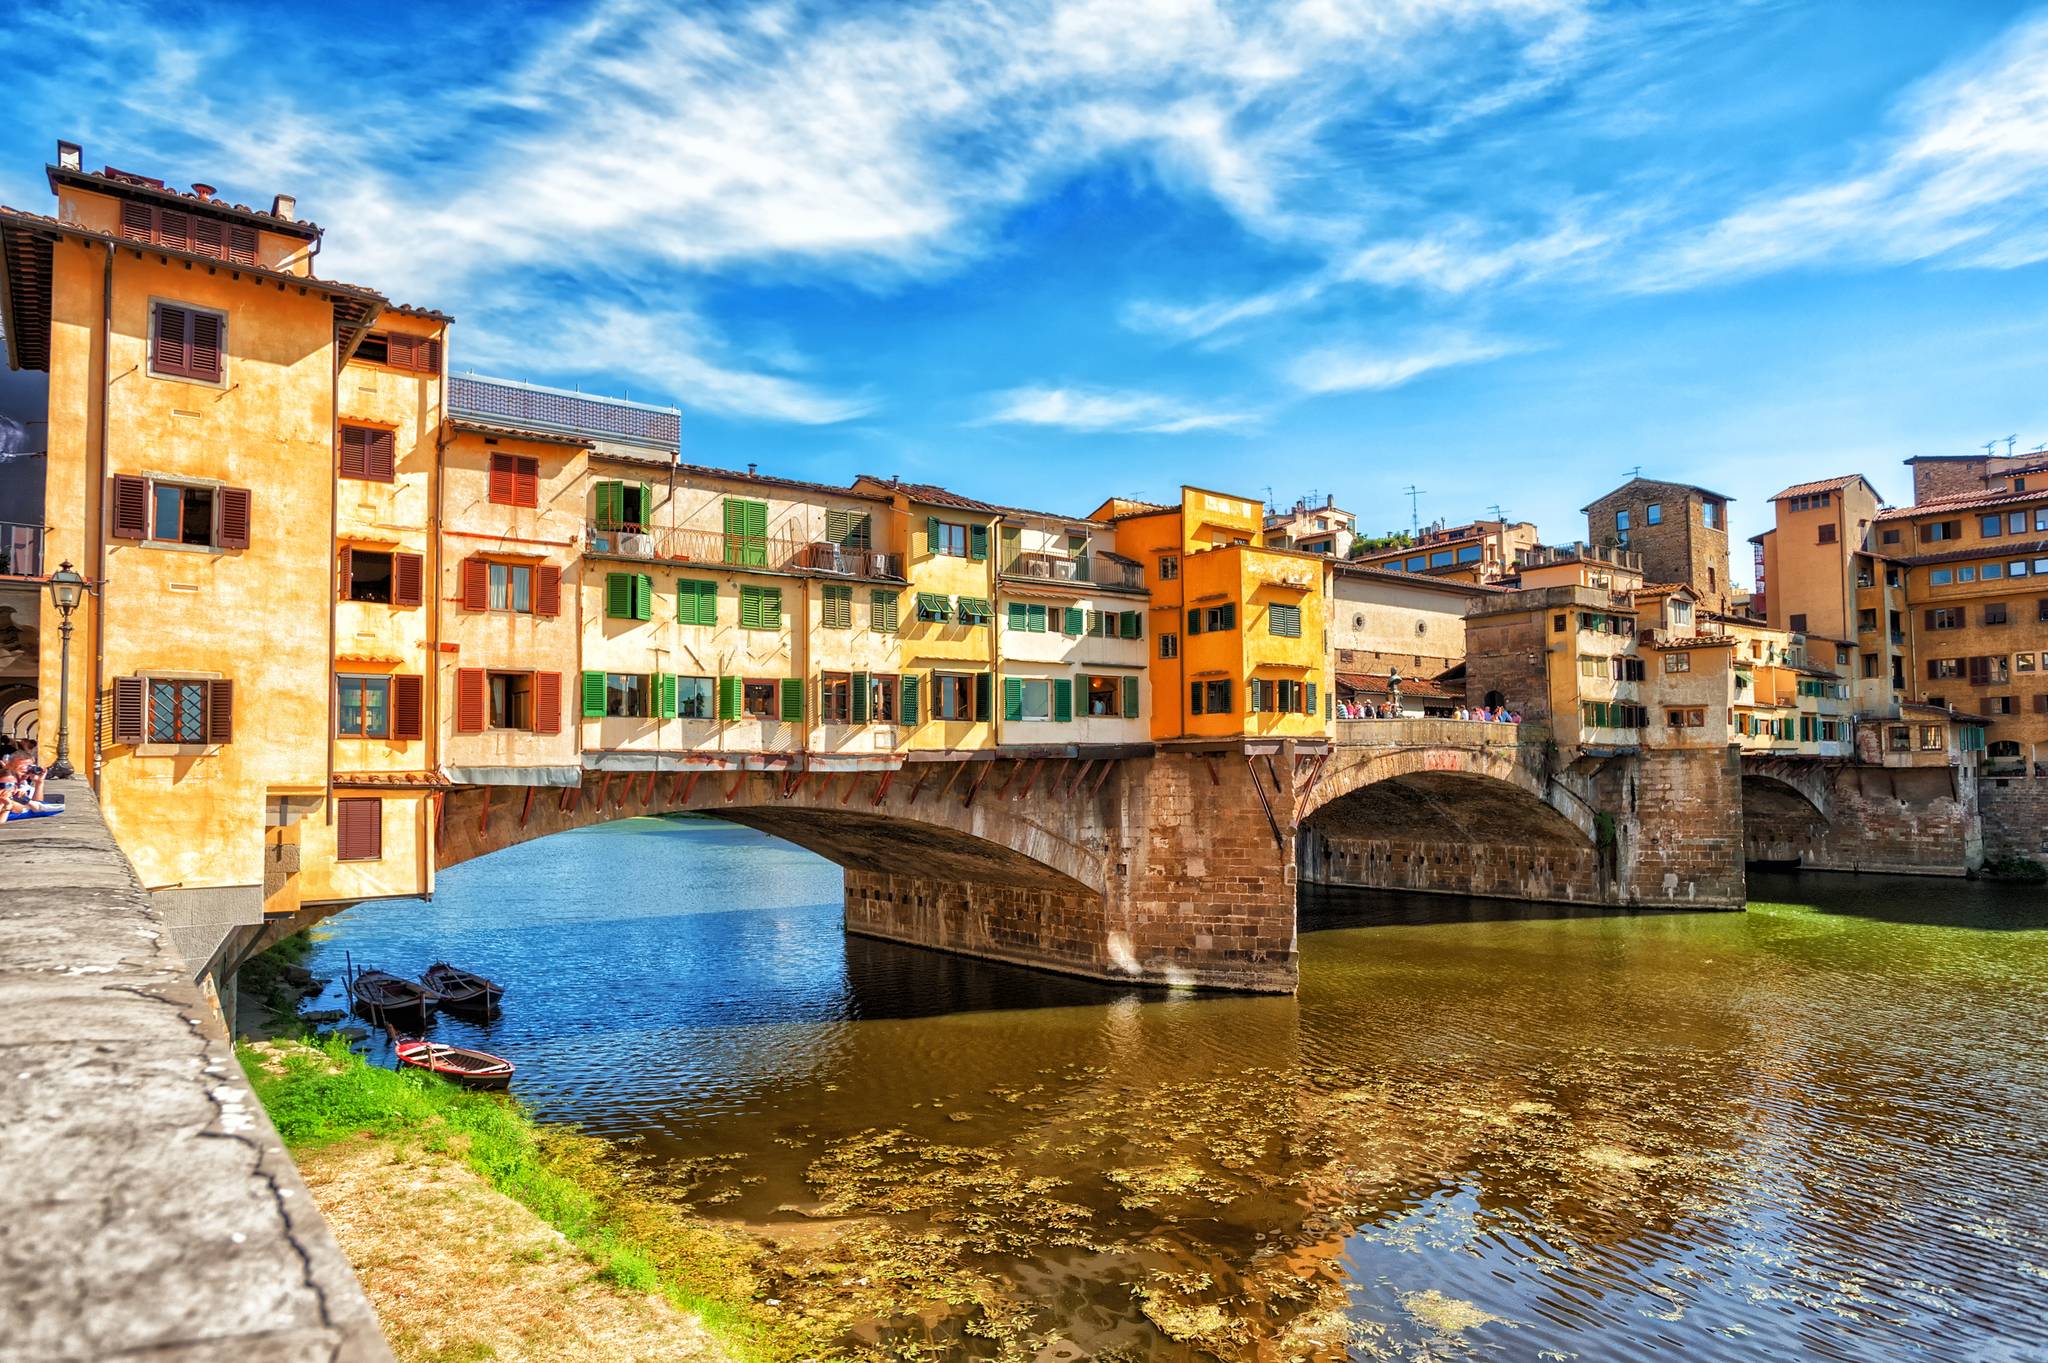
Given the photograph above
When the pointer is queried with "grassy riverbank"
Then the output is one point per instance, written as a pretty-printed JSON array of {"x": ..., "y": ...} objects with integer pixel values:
[{"x": 407, "y": 1149}]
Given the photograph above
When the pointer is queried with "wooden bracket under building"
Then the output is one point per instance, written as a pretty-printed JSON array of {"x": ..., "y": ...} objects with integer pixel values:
[
  {"x": 986, "y": 768},
  {"x": 882, "y": 786},
  {"x": 1108, "y": 766},
  {"x": 690, "y": 786},
  {"x": 483, "y": 818},
  {"x": 733, "y": 791},
  {"x": 1032, "y": 779},
  {"x": 1279, "y": 840},
  {"x": 526, "y": 807}
]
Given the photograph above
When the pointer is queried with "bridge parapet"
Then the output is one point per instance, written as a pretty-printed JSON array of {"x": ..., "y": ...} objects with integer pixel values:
[{"x": 1437, "y": 733}]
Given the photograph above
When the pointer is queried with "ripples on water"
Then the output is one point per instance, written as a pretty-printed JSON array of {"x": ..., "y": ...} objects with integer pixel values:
[{"x": 1811, "y": 1131}]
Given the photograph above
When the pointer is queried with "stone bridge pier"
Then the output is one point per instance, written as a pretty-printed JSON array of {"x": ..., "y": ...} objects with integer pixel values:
[{"x": 1835, "y": 815}]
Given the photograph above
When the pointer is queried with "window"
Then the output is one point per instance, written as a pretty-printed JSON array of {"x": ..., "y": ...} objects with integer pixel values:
[
  {"x": 696, "y": 601},
  {"x": 1994, "y": 613},
  {"x": 1940, "y": 530},
  {"x": 620, "y": 506},
  {"x": 1210, "y": 698},
  {"x": 1104, "y": 697},
  {"x": 974, "y": 610},
  {"x": 1027, "y": 617},
  {"x": 1469, "y": 554},
  {"x": 882, "y": 608},
  {"x": 1930, "y": 738},
  {"x": 1211, "y": 619},
  {"x": 181, "y": 515},
  {"x": 511, "y": 700},
  {"x": 1678, "y": 662},
  {"x": 2041, "y": 521},
  {"x": 630, "y": 596},
  {"x": 1440, "y": 558},
  {"x": 2016, "y": 568},
  {"x": 511, "y": 587},
  {"x": 746, "y": 532},
  {"x": 1944, "y": 669},
  {"x": 366, "y": 575},
  {"x": 1827, "y": 533},
  {"x": 693, "y": 698},
  {"x": 1692, "y": 717},
  {"x": 1169, "y": 645},
  {"x": 177, "y": 711},
  {"x": 1940, "y": 577},
  {"x": 1418, "y": 563},
  {"x": 1989, "y": 670},
  {"x": 2023, "y": 662},
  {"x": 933, "y": 607},
  {"x": 1999, "y": 705},
  {"x": 1557, "y": 624},
  {"x": 1283, "y": 621},
  {"x": 182, "y": 230},
  {"x": 186, "y": 343},
  {"x": 837, "y": 607},
  {"x": 1945, "y": 617},
  {"x": 1900, "y": 740},
  {"x": 760, "y": 608},
  {"x": 883, "y": 690},
  {"x": 1866, "y": 621},
  {"x": 421, "y": 354},
  {"x": 1966, "y": 573},
  {"x": 1621, "y": 521},
  {"x": 835, "y": 698},
  {"x": 515, "y": 480},
  {"x": 1655, "y": 514},
  {"x": 953, "y": 696},
  {"x": 365, "y": 708},
  {"x": 1991, "y": 572},
  {"x": 1888, "y": 536},
  {"x": 1869, "y": 666},
  {"x": 1101, "y": 624},
  {"x": 368, "y": 453},
  {"x": 1710, "y": 514},
  {"x": 359, "y": 829},
  {"x": 850, "y": 529},
  {"x": 1681, "y": 612},
  {"x": 627, "y": 696},
  {"x": 760, "y": 699},
  {"x": 1027, "y": 698},
  {"x": 947, "y": 538},
  {"x": 1169, "y": 567}
]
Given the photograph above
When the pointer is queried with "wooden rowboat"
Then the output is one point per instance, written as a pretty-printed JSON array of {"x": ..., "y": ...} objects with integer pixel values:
[
  {"x": 457, "y": 1064},
  {"x": 381, "y": 995},
  {"x": 463, "y": 991}
]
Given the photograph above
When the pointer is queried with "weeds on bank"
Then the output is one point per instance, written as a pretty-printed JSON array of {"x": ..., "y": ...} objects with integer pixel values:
[{"x": 322, "y": 1092}]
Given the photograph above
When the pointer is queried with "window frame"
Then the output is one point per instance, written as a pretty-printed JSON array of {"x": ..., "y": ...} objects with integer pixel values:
[
  {"x": 959, "y": 683},
  {"x": 150, "y": 367},
  {"x": 158, "y": 486},
  {"x": 638, "y": 686},
  {"x": 492, "y": 677},
  {"x": 362, "y": 731}
]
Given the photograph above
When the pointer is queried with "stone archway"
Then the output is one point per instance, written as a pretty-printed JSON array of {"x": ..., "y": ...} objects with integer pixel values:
[{"x": 1783, "y": 824}]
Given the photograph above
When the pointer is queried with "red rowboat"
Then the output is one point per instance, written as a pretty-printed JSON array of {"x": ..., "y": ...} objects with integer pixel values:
[{"x": 472, "y": 1069}]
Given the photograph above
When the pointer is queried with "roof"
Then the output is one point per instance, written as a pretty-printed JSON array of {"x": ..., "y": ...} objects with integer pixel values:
[
  {"x": 1656, "y": 482},
  {"x": 1354, "y": 569},
  {"x": 1410, "y": 686},
  {"x": 1660, "y": 641},
  {"x": 931, "y": 494},
  {"x": 111, "y": 181},
  {"x": 26, "y": 263},
  {"x": 424, "y": 314},
  {"x": 1961, "y": 501},
  {"x": 485, "y": 428},
  {"x": 2007, "y": 549},
  {"x": 770, "y": 480},
  {"x": 407, "y": 780},
  {"x": 1824, "y": 485},
  {"x": 1662, "y": 588}
]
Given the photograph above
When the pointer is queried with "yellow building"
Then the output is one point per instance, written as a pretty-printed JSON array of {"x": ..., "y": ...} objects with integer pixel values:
[{"x": 1240, "y": 630}]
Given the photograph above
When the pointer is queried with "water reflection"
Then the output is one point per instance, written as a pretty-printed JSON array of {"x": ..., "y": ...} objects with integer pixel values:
[{"x": 1808, "y": 1131}]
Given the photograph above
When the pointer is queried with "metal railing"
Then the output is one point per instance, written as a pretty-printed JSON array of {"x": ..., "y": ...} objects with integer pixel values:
[
  {"x": 739, "y": 551},
  {"x": 1432, "y": 732},
  {"x": 1094, "y": 568},
  {"x": 21, "y": 550}
]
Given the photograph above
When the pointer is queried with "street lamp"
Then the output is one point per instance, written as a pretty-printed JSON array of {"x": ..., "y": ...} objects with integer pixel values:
[{"x": 67, "y": 589}]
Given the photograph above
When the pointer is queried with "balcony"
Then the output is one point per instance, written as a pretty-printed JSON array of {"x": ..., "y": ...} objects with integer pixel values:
[
  {"x": 21, "y": 550},
  {"x": 774, "y": 552},
  {"x": 1104, "y": 571}
]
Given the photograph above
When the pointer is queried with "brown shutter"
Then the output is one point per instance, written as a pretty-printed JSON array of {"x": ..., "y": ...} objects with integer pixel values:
[
  {"x": 234, "y": 517},
  {"x": 208, "y": 239},
  {"x": 470, "y": 689},
  {"x": 504, "y": 480},
  {"x": 408, "y": 579},
  {"x": 171, "y": 355},
  {"x": 174, "y": 229},
  {"x": 408, "y": 708},
  {"x": 547, "y": 702},
  {"x": 359, "y": 829},
  {"x": 242, "y": 245},
  {"x": 220, "y": 712},
  {"x": 205, "y": 353},
  {"x": 430, "y": 357},
  {"x": 381, "y": 459},
  {"x": 547, "y": 590},
  {"x": 128, "y": 709},
  {"x": 137, "y": 222},
  {"x": 526, "y": 482},
  {"x": 355, "y": 451},
  {"x": 344, "y": 572},
  {"x": 130, "y": 511},
  {"x": 399, "y": 349},
  {"x": 476, "y": 585}
]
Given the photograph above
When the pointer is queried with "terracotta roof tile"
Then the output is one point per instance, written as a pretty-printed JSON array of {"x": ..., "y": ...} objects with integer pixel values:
[
  {"x": 1820, "y": 485},
  {"x": 1962, "y": 501}
]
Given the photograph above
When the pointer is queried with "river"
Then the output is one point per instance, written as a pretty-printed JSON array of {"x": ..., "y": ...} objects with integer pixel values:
[{"x": 1814, "y": 1130}]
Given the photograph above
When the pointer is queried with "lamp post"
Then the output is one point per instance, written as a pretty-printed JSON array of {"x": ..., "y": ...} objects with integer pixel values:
[{"x": 67, "y": 589}]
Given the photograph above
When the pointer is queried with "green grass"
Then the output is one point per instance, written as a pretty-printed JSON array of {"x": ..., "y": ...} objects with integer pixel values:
[{"x": 582, "y": 1186}]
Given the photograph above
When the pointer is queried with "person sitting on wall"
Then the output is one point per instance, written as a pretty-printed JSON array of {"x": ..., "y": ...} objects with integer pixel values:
[
  {"x": 36, "y": 772},
  {"x": 17, "y": 792}
]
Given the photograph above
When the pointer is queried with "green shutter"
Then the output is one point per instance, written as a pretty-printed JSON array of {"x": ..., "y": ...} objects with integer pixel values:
[
  {"x": 643, "y": 597},
  {"x": 862, "y": 688},
  {"x": 977, "y": 543},
  {"x": 882, "y": 608},
  {"x": 792, "y": 700},
  {"x": 1074, "y": 621},
  {"x": 984, "y": 686},
  {"x": 1017, "y": 614},
  {"x": 746, "y": 532},
  {"x": 647, "y": 506},
  {"x": 1034, "y": 619},
  {"x": 696, "y": 602},
  {"x": 593, "y": 695},
  {"x": 1062, "y": 699},
  {"x": 618, "y": 595},
  {"x": 1130, "y": 697},
  {"x": 931, "y": 534},
  {"x": 1194, "y": 622},
  {"x": 728, "y": 697},
  {"x": 907, "y": 711},
  {"x": 1013, "y": 698},
  {"x": 1309, "y": 705},
  {"x": 1130, "y": 624},
  {"x": 665, "y": 694},
  {"x": 837, "y": 610},
  {"x": 608, "y": 505},
  {"x": 838, "y": 524},
  {"x": 1284, "y": 621}
]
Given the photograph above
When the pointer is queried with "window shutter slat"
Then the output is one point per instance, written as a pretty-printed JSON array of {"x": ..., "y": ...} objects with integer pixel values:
[
  {"x": 792, "y": 700},
  {"x": 137, "y": 222},
  {"x": 355, "y": 452},
  {"x": 381, "y": 459},
  {"x": 907, "y": 711},
  {"x": 408, "y": 708},
  {"x": 476, "y": 584},
  {"x": 128, "y": 709},
  {"x": 242, "y": 245},
  {"x": 171, "y": 354},
  {"x": 234, "y": 517},
  {"x": 220, "y": 712},
  {"x": 547, "y": 702},
  {"x": 203, "y": 360},
  {"x": 547, "y": 593},
  {"x": 472, "y": 686},
  {"x": 408, "y": 579},
  {"x": 1130, "y": 697},
  {"x": 593, "y": 695},
  {"x": 129, "y": 514}
]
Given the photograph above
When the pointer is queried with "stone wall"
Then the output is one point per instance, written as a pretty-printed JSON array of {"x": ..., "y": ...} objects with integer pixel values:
[
  {"x": 2015, "y": 818},
  {"x": 1911, "y": 820},
  {"x": 1677, "y": 837},
  {"x": 1489, "y": 870}
]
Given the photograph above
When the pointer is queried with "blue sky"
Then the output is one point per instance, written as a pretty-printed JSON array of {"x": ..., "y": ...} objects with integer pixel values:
[{"x": 1504, "y": 250}]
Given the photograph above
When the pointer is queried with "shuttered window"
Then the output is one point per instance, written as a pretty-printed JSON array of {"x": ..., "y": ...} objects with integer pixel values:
[
  {"x": 746, "y": 532},
  {"x": 1027, "y": 617},
  {"x": 173, "y": 710},
  {"x": 629, "y": 596},
  {"x": 730, "y": 697},
  {"x": 515, "y": 480},
  {"x": 1130, "y": 697},
  {"x": 977, "y": 543},
  {"x": 1062, "y": 699},
  {"x": 760, "y": 608},
  {"x": 419, "y": 354},
  {"x": 882, "y": 609},
  {"x": 696, "y": 601},
  {"x": 849, "y": 529},
  {"x": 547, "y": 590},
  {"x": 370, "y": 453},
  {"x": 593, "y": 695},
  {"x": 1074, "y": 621},
  {"x": 624, "y": 506},
  {"x": 1283, "y": 621},
  {"x": 792, "y": 700},
  {"x": 1130, "y": 625},
  {"x": 837, "y": 607},
  {"x": 174, "y": 513},
  {"x": 932, "y": 606},
  {"x": 179, "y": 230},
  {"x": 359, "y": 829},
  {"x": 408, "y": 708},
  {"x": 470, "y": 700},
  {"x": 186, "y": 342},
  {"x": 908, "y": 709}
]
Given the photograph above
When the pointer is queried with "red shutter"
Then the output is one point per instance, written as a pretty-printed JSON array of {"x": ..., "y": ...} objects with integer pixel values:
[
  {"x": 382, "y": 457},
  {"x": 173, "y": 229},
  {"x": 208, "y": 238},
  {"x": 547, "y": 702},
  {"x": 408, "y": 577},
  {"x": 476, "y": 585},
  {"x": 242, "y": 245},
  {"x": 220, "y": 712},
  {"x": 469, "y": 700},
  {"x": 128, "y": 709},
  {"x": 204, "y": 357},
  {"x": 358, "y": 829},
  {"x": 526, "y": 482},
  {"x": 547, "y": 590},
  {"x": 504, "y": 480},
  {"x": 130, "y": 511},
  {"x": 171, "y": 356},
  {"x": 355, "y": 451},
  {"x": 137, "y": 222},
  {"x": 408, "y": 709},
  {"x": 234, "y": 517}
]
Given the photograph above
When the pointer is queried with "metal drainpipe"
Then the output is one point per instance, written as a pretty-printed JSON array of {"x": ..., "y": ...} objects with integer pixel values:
[
  {"x": 995, "y": 648},
  {"x": 433, "y": 593},
  {"x": 99, "y": 526}
]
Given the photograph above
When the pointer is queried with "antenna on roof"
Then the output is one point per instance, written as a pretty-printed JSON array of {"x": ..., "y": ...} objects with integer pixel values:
[
  {"x": 1990, "y": 447},
  {"x": 1414, "y": 515},
  {"x": 2010, "y": 441},
  {"x": 1636, "y": 472},
  {"x": 1498, "y": 514}
]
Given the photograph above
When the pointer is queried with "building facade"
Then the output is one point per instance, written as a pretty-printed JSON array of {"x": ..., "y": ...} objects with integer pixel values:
[
  {"x": 1681, "y": 532},
  {"x": 1313, "y": 528}
]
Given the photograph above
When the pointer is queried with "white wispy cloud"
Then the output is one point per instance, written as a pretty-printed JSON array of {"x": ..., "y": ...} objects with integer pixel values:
[
  {"x": 1347, "y": 369},
  {"x": 1104, "y": 410}
]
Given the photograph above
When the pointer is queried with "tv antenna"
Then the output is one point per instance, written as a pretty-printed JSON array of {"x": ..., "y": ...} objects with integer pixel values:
[
  {"x": 1990, "y": 447},
  {"x": 2010, "y": 441},
  {"x": 1414, "y": 512},
  {"x": 1498, "y": 514},
  {"x": 1636, "y": 472}
]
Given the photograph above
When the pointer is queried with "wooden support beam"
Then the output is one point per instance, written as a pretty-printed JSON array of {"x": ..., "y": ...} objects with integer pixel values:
[
  {"x": 793, "y": 781},
  {"x": 924, "y": 774},
  {"x": 1108, "y": 765},
  {"x": 1081, "y": 777},
  {"x": 1279, "y": 840},
  {"x": 882, "y": 786},
  {"x": 1016, "y": 766},
  {"x": 675, "y": 789},
  {"x": 1059, "y": 778},
  {"x": 562, "y": 800},
  {"x": 986, "y": 768},
  {"x": 690, "y": 786},
  {"x": 1032, "y": 779},
  {"x": 1214, "y": 778},
  {"x": 958, "y": 767},
  {"x": 604, "y": 791},
  {"x": 483, "y": 818},
  {"x": 732, "y": 791},
  {"x": 440, "y": 816},
  {"x": 852, "y": 780},
  {"x": 647, "y": 795},
  {"x": 1273, "y": 773},
  {"x": 526, "y": 807}
]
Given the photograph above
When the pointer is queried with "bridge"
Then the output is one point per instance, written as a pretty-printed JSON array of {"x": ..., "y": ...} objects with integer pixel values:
[
  {"x": 1169, "y": 865},
  {"x": 1835, "y": 814}
]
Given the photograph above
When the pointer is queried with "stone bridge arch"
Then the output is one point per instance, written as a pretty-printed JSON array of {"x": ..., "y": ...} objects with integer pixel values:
[{"x": 1787, "y": 811}]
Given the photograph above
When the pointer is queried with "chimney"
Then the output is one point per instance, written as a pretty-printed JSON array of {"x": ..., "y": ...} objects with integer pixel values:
[
  {"x": 1330, "y": 501},
  {"x": 284, "y": 206},
  {"x": 70, "y": 155},
  {"x": 203, "y": 191},
  {"x": 751, "y": 467}
]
